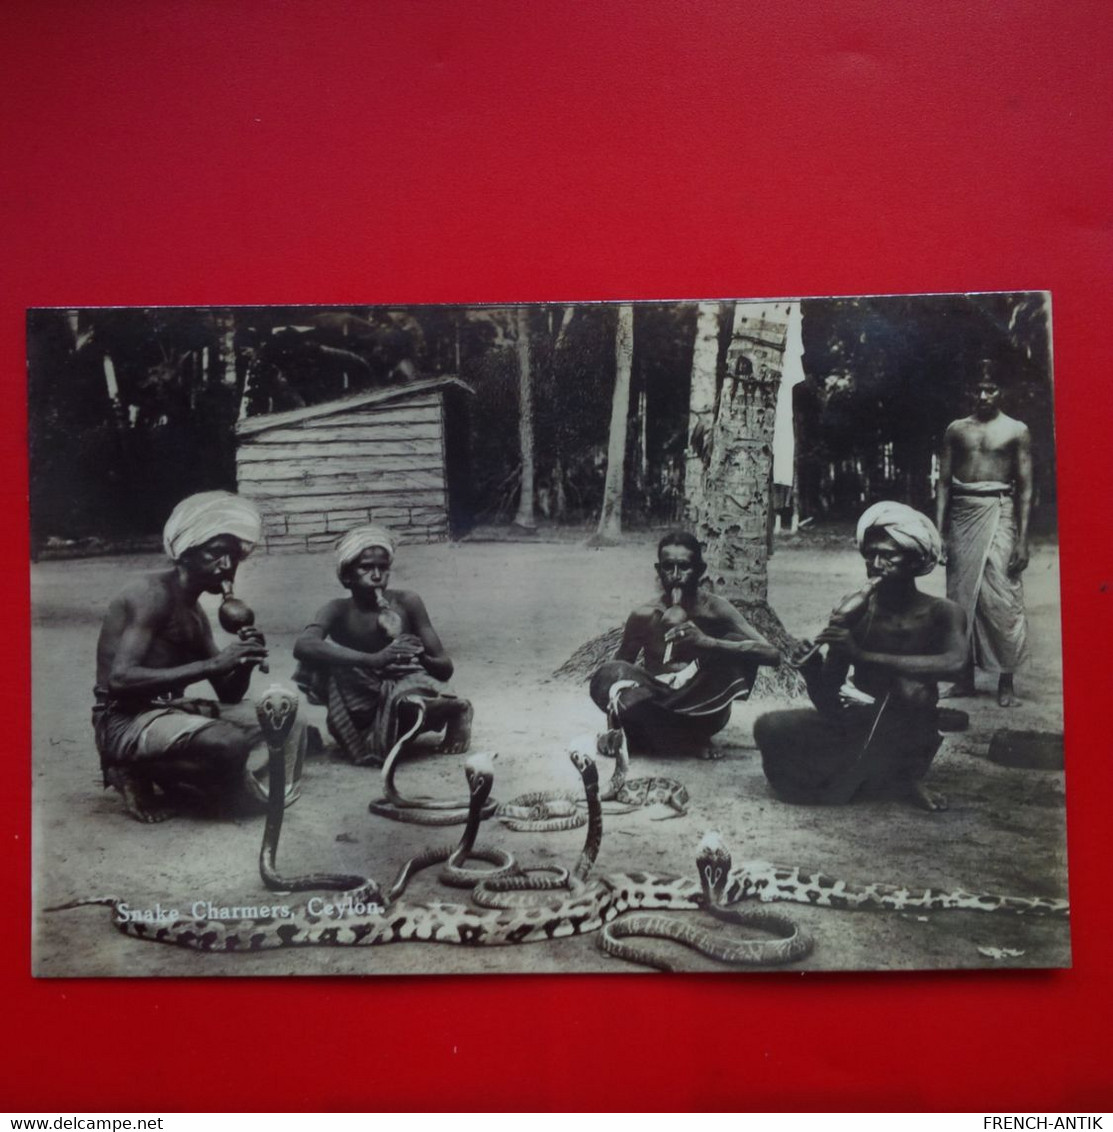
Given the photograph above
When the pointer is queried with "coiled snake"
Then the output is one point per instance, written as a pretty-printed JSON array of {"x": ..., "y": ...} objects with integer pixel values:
[
  {"x": 420, "y": 810},
  {"x": 583, "y": 906},
  {"x": 479, "y": 769},
  {"x": 547, "y": 811}
]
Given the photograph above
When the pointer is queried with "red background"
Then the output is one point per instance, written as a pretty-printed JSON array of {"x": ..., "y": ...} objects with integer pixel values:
[{"x": 203, "y": 152}]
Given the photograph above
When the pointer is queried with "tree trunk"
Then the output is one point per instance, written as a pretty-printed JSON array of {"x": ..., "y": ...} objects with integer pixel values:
[
  {"x": 225, "y": 361},
  {"x": 555, "y": 373},
  {"x": 610, "y": 518},
  {"x": 526, "y": 517},
  {"x": 735, "y": 513},
  {"x": 565, "y": 322},
  {"x": 736, "y": 491},
  {"x": 701, "y": 406}
]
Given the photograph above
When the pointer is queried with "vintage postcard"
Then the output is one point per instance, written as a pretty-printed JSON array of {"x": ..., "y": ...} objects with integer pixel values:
[{"x": 571, "y": 637}]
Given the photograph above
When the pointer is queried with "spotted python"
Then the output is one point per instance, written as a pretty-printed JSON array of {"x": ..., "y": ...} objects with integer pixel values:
[
  {"x": 580, "y": 906},
  {"x": 577, "y": 904},
  {"x": 766, "y": 882},
  {"x": 724, "y": 888},
  {"x": 547, "y": 811}
]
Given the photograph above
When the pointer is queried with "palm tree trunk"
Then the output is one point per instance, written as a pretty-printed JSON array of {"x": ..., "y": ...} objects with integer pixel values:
[
  {"x": 701, "y": 405},
  {"x": 735, "y": 513},
  {"x": 736, "y": 487}
]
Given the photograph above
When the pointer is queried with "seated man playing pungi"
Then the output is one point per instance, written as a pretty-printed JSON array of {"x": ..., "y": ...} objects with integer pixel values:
[
  {"x": 155, "y": 746},
  {"x": 697, "y": 655},
  {"x": 368, "y": 655},
  {"x": 880, "y": 733}
]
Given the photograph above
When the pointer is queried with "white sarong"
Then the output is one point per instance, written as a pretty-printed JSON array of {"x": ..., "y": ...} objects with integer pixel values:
[{"x": 981, "y": 540}]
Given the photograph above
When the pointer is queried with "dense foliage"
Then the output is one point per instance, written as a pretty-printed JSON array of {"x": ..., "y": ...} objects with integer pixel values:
[{"x": 130, "y": 409}]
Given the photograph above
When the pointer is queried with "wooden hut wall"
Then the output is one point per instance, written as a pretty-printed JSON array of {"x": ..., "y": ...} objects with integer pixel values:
[{"x": 317, "y": 478}]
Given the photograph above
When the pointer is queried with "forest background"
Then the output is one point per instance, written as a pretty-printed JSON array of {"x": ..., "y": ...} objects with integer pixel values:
[{"x": 130, "y": 409}]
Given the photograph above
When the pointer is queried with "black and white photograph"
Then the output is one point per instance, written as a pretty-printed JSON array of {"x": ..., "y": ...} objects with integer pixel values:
[{"x": 698, "y": 636}]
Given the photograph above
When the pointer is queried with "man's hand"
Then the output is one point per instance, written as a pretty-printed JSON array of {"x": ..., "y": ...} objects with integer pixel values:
[
  {"x": 1018, "y": 560},
  {"x": 690, "y": 635},
  {"x": 400, "y": 657},
  {"x": 249, "y": 649},
  {"x": 805, "y": 649},
  {"x": 839, "y": 640}
]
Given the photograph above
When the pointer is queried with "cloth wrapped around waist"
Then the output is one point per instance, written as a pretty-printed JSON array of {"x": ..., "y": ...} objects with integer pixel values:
[
  {"x": 981, "y": 541},
  {"x": 132, "y": 727},
  {"x": 981, "y": 487},
  {"x": 363, "y": 707}
]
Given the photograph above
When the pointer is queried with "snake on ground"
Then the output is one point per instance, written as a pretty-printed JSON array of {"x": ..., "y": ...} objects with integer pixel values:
[
  {"x": 548, "y": 811},
  {"x": 580, "y": 906},
  {"x": 418, "y": 810}
]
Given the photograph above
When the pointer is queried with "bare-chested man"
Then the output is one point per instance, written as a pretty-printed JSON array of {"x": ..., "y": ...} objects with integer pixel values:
[
  {"x": 155, "y": 641},
  {"x": 697, "y": 655},
  {"x": 880, "y": 734},
  {"x": 366, "y": 654},
  {"x": 983, "y": 507}
]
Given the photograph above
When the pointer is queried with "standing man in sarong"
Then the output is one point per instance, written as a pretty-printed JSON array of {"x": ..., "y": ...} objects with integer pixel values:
[
  {"x": 878, "y": 733},
  {"x": 697, "y": 655},
  {"x": 156, "y": 746},
  {"x": 983, "y": 508},
  {"x": 368, "y": 655}
]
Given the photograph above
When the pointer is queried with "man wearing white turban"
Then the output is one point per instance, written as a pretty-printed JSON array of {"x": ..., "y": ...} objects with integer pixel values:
[
  {"x": 878, "y": 734},
  {"x": 199, "y": 518},
  {"x": 156, "y": 746},
  {"x": 910, "y": 529},
  {"x": 356, "y": 541},
  {"x": 368, "y": 655}
]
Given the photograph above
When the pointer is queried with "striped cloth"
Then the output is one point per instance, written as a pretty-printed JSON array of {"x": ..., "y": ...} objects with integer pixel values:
[{"x": 980, "y": 543}]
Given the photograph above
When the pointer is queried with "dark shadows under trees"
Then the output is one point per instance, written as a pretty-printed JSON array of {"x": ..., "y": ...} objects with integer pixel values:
[{"x": 131, "y": 409}]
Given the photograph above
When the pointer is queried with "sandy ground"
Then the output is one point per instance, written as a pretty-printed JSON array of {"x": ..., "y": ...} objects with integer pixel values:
[{"x": 510, "y": 614}]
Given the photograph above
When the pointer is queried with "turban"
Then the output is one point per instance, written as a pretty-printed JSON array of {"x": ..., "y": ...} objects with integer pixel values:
[
  {"x": 908, "y": 528},
  {"x": 354, "y": 543},
  {"x": 201, "y": 517}
]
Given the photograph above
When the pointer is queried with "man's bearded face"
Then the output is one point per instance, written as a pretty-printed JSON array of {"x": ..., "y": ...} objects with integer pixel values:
[{"x": 679, "y": 568}]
